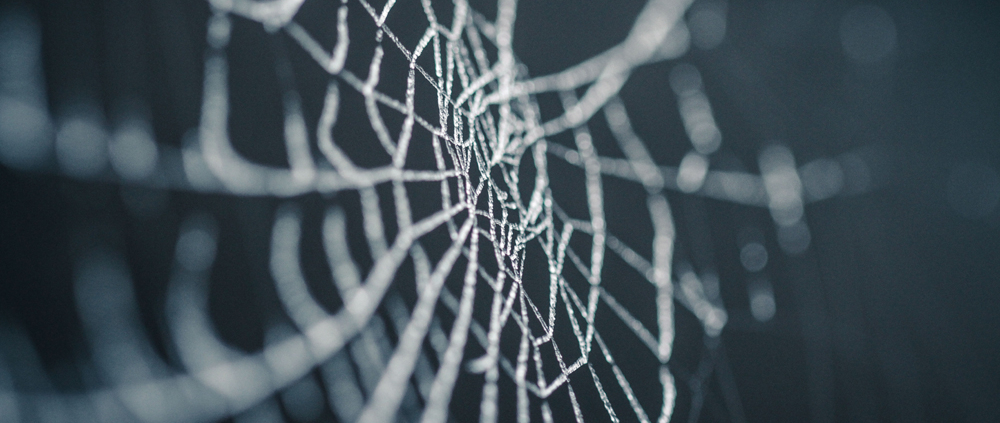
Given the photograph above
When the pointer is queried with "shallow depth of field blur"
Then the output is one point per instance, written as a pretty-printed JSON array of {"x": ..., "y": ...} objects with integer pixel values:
[{"x": 891, "y": 110}]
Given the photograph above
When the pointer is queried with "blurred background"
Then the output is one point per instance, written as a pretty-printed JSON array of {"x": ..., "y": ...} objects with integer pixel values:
[{"x": 889, "y": 315}]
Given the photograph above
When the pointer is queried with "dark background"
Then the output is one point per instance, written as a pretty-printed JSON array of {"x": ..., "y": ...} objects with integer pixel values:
[{"x": 904, "y": 284}]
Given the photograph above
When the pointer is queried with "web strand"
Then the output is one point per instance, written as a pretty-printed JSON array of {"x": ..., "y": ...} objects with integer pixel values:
[{"x": 381, "y": 355}]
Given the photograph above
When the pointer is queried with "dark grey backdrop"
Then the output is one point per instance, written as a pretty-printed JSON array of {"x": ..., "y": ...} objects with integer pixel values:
[{"x": 908, "y": 287}]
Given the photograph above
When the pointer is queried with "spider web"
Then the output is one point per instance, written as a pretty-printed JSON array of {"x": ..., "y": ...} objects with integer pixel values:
[{"x": 479, "y": 273}]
